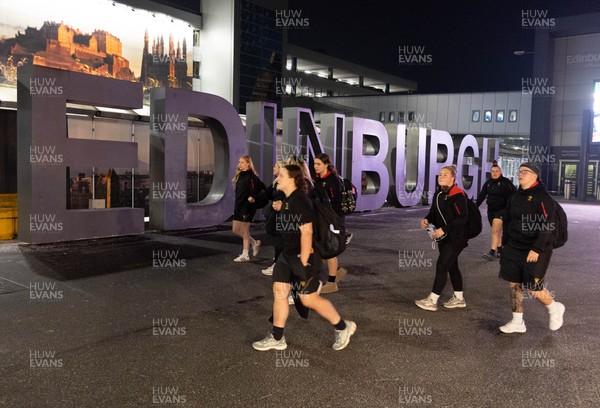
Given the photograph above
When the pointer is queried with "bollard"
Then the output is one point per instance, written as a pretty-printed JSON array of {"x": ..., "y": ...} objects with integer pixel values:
[{"x": 567, "y": 192}]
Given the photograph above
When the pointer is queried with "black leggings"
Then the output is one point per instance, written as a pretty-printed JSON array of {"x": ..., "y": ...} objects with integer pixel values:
[{"x": 447, "y": 263}]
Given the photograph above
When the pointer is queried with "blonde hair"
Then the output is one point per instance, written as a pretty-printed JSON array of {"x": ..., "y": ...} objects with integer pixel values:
[
  {"x": 238, "y": 171},
  {"x": 305, "y": 172},
  {"x": 451, "y": 168}
]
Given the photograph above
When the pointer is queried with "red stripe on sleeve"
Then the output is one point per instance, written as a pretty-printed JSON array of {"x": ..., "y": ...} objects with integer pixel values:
[
  {"x": 544, "y": 210},
  {"x": 457, "y": 210}
]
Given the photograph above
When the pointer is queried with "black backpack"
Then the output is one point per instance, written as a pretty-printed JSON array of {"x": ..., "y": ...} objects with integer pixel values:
[
  {"x": 349, "y": 195},
  {"x": 473, "y": 225},
  {"x": 560, "y": 233},
  {"x": 329, "y": 233}
]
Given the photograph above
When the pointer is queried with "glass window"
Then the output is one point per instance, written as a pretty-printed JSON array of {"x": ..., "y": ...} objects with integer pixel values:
[
  {"x": 512, "y": 115},
  {"x": 401, "y": 117},
  {"x": 382, "y": 116},
  {"x": 411, "y": 116},
  {"x": 500, "y": 116},
  {"x": 487, "y": 116},
  {"x": 392, "y": 117},
  {"x": 475, "y": 116}
]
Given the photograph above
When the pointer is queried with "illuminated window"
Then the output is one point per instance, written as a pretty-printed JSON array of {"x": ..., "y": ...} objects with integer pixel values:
[
  {"x": 487, "y": 116},
  {"x": 475, "y": 116},
  {"x": 392, "y": 117},
  {"x": 500, "y": 116},
  {"x": 512, "y": 115},
  {"x": 382, "y": 116}
]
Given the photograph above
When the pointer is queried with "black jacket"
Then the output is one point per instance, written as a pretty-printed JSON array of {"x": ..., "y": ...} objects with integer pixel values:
[
  {"x": 498, "y": 193},
  {"x": 449, "y": 212},
  {"x": 246, "y": 186},
  {"x": 332, "y": 186},
  {"x": 529, "y": 220}
]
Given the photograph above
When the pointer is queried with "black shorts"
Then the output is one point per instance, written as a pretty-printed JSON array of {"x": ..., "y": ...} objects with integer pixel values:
[
  {"x": 244, "y": 214},
  {"x": 515, "y": 268},
  {"x": 491, "y": 214},
  {"x": 289, "y": 269}
]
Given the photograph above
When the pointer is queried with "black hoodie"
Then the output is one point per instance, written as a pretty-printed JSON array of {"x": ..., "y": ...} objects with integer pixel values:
[
  {"x": 449, "y": 212},
  {"x": 498, "y": 192},
  {"x": 529, "y": 219}
]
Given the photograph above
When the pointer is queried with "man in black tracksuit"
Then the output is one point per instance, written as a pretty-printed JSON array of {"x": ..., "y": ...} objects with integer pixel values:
[
  {"x": 528, "y": 221},
  {"x": 498, "y": 190}
]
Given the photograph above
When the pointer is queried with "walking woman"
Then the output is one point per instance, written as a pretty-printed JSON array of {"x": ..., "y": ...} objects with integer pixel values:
[
  {"x": 448, "y": 214},
  {"x": 246, "y": 186},
  {"x": 273, "y": 195},
  {"x": 328, "y": 182},
  {"x": 299, "y": 265},
  {"x": 498, "y": 190}
]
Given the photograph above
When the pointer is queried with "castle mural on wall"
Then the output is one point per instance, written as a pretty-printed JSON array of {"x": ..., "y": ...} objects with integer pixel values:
[{"x": 57, "y": 45}]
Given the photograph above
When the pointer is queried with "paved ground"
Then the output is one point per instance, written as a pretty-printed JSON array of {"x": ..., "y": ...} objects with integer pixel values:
[{"x": 167, "y": 320}]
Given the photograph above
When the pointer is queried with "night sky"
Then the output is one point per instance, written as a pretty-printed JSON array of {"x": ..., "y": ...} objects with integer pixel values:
[{"x": 470, "y": 43}]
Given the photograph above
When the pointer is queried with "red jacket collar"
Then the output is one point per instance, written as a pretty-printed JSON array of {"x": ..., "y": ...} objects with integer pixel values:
[
  {"x": 326, "y": 175},
  {"x": 455, "y": 190}
]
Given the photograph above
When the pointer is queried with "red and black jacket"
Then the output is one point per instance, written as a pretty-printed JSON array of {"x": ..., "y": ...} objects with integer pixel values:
[
  {"x": 449, "y": 212},
  {"x": 332, "y": 186}
]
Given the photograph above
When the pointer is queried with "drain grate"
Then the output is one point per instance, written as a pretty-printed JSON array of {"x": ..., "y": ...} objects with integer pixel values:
[{"x": 7, "y": 286}]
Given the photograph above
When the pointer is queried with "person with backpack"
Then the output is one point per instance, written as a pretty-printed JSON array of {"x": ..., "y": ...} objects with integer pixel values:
[
  {"x": 299, "y": 265},
  {"x": 329, "y": 185},
  {"x": 529, "y": 223},
  {"x": 271, "y": 215},
  {"x": 247, "y": 187},
  {"x": 498, "y": 190},
  {"x": 448, "y": 213}
]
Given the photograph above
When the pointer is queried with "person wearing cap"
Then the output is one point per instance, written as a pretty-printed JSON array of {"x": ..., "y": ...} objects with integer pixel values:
[
  {"x": 528, "y": 222},
  {"x": 498, "y": 190}
]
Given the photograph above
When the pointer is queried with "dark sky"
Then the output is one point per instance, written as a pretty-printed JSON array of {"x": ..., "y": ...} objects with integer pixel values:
[{"x": 470, "y": 43}]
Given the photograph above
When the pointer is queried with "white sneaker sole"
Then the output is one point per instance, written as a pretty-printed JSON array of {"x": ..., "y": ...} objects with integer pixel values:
[
  {"x": 352, "y": 331},
  {"x": 562, "y": 313},
  {"x": 459, "y": 305},
  {"x": 509, "y": 331},
  {"x": 267, "y": 348},
  {"x": 429, "y": 308}
]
